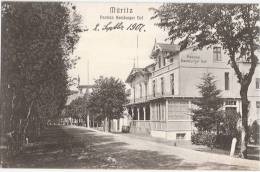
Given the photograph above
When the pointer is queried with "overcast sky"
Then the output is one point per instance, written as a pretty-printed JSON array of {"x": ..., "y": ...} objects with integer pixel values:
[{"x": 112, "y": 53}]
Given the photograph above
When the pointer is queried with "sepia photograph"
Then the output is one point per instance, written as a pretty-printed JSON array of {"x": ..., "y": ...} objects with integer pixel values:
[{"x": 130, "y": 85}]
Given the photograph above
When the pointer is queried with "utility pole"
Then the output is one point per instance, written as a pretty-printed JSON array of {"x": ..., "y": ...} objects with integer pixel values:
[
  {"x": 137, "y": 65},
  {"x": 88, "y": 71}
]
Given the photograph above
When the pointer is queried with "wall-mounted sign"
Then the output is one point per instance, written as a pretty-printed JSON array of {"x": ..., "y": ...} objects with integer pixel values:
[{"x": 193, "y": 60}]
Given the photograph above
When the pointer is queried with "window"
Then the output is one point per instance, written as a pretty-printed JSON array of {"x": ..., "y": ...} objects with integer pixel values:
[
  {"x": 217, "y": 53},
  {"x": 162, "y": 86},
  {"x": 164, "y": 61},
  {"x": 172, "y": 83},
  {"x": 141, "y": 91},
  {"x": 178, "y": 110},
  {"x": 258, "y": 108},
  {"x": 226, "y": 81},
  {"x": 145, "y": 85},
  {"x": 180, "y": 136},
  {"x": 257, "y": 83},
  {"x": 231, "y": 102},
  {"x": 154, "y": 88},
  {"x": 134, "y": 92},
  {"x": 159, "y": 61}
]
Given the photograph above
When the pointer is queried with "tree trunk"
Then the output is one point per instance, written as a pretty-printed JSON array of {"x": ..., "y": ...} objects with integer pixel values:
[
  {"x": 88, "y": 120},
  {"x": 93, "y": 122},
  {"x": 244, "y": 127},
  {"x": 105, "y": 124},
  {"x": 109, "y": 124},
  {"x": 27, "y": 120}
]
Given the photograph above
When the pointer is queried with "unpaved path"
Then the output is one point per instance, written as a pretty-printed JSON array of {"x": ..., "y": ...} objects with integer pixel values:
[{"x": 79, "y": 147}]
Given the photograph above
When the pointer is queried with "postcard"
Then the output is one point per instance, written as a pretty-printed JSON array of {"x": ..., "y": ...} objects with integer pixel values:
[{"x": 130, "y": 85}]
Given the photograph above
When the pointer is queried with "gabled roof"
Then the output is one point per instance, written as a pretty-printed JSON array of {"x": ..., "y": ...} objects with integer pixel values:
[
  {"x": 135, "y": 72},
  {"x": 168, "y": 47},
  {"x": 171, "y": 48}
]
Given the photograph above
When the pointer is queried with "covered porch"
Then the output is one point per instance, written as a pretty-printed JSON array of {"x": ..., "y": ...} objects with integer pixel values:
[{"x": 168, "y": 118}]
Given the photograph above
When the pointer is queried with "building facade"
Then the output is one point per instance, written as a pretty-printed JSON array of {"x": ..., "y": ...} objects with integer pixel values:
[{"x": 162, "y": 93}]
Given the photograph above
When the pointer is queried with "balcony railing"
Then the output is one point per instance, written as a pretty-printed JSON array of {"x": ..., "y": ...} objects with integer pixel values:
[
  {"x": 150, "y": 125},
  {"x": 167, "y": 68},
  {"x": 150, "y": 97},
  {"x": 162, "y": 125}
]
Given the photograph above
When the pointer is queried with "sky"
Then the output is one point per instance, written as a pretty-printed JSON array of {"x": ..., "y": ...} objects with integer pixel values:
[{"x": 112, "y": 53}]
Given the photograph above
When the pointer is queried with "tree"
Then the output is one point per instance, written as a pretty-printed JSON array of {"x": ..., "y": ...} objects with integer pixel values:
[
  {"x": 234, "y": 26},
  {"x": 107, "y": 99},
  {"x": 207, "y": 116},
  {"x": 38, "y": 39},
  {"x": 78, "y": 109}
]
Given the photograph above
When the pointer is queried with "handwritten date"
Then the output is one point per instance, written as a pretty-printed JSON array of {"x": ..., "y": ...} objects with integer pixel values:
[{"x": 121, "y": 26}]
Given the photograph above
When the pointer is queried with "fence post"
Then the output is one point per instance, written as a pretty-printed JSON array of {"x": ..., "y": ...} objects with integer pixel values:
[{"x": 233, "y": 146}]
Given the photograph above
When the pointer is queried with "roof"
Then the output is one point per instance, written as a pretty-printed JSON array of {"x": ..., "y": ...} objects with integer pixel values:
[
  {"x": 135, "y": 72},
  {"x": 168, "y": 47},
  {"x": 171, "y": 48}
]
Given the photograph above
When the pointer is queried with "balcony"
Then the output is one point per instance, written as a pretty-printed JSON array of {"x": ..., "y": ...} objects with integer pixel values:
[
  {"x": 167, "y": 68},
  {"x": 149, "y": 97}
]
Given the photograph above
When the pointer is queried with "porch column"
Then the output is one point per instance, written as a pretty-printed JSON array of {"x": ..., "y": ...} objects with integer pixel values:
[
  {"x": 138, "y": 114},
  {"x": 144, "y": 109},
  {"x": 151, "y": 112},
  {"x": 132, "y": 109},
  {"x": 190, "y": 107},
  {"x": 166, "y": 117}
]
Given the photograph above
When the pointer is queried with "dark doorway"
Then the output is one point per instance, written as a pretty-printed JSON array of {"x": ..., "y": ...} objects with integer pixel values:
[
  {"x": 141, "y": 110},
  {"x": 147, "y": 110}
]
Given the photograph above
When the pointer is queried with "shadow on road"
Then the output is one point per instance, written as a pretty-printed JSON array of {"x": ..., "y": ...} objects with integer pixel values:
[{"x": 62, "y": 147}]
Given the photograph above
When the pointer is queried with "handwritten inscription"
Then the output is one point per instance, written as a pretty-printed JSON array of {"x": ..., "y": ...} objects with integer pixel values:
[{"x": 120, "y": 26}]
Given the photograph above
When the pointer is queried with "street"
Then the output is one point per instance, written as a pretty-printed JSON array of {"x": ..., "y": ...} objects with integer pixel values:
[{"x": 79, "y": 147}]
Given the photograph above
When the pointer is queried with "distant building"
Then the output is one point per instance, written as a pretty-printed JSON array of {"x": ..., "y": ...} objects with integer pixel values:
[
  {"x": 83, "y": 90},
  {"x": 162, "y": 93}
]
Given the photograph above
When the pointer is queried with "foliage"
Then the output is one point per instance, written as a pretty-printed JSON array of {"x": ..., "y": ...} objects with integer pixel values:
[
  {"x": 207, "y": 116},
  {"x": 233, "y": 26},
  {"x": 107, "y": 98},
  {"x": 37, "y": 41},
  {"x": 229, "y": 126},
  {"x": 78, "y": 109},
  {"x": 125, "y": 129},
  {"x": 255, "y": 132},
  {"x": 204, "y": 138},
  {"x": 224, "y": 141}
]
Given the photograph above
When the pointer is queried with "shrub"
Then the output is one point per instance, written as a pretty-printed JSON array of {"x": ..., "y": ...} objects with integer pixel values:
[
  {"x": 204, "y": 138},
  {"x": 223, "y": 141},
  {"x": 229, "y": 125},
  {"x": 255, "y": 132},
  {"x": 125, "y": 129}
]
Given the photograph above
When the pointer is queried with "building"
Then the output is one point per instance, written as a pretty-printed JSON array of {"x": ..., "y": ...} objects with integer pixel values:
[
  {"x": 82, "y": 90},
  {"x": 162, "y": 93}
]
